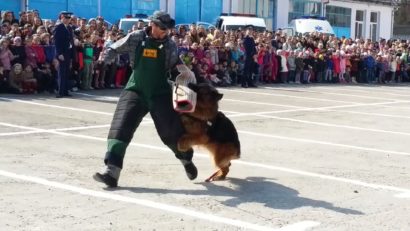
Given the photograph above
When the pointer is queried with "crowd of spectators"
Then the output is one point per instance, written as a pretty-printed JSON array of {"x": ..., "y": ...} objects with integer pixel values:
[{"x": 28, "y": 63}]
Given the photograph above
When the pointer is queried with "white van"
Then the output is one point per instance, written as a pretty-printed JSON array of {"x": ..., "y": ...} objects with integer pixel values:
[
  {"x": 307, "y": 25},
  {"x": 234, "y": 22},
  {"x": 126, "y": 24}
]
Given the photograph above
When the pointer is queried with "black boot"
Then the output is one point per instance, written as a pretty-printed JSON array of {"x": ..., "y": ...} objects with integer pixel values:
[
  {"x": 108, "y": 180},
  {"x": 190, "y": 169},
  {"x": 109, "y": 177}
]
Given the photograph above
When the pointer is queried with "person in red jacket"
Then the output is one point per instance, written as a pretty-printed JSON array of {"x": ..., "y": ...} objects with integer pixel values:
[
  {"x": 39, "y": 50},
  {"x": 336, "y": 64}
]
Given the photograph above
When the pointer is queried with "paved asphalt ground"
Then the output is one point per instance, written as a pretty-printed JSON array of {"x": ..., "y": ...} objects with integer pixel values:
[{"x": 320, "y": 157}]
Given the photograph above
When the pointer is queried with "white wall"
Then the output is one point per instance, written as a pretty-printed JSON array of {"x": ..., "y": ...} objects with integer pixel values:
[
  {"x": 226, "y": 6},
  {"x": 170, "y": 8},
  {"x": 282, "y": 14},
  {"x": 22, "y": 6},
  {"x": 282, "y": 10},
  {"x": 385, "y": 16}
]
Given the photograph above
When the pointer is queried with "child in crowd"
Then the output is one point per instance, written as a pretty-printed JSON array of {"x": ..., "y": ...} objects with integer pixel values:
[
  {"x": 29, "y": 82},
  {"x": 6, "y": 57},
  {"x": 18, "y": 51},
  {"x": 336, "y": 66},
  {"x": 15, "y": 82},
  {"x": 31, "y": 54},
  {"x": 292, "y": 66},
  {"x": 45, "y": 79},
  {"x": 299, "y": 67},
  {"x": 88, "y": 55},
  {"x": 342, "y": 67},
  {"x": 233, "y": 72}
]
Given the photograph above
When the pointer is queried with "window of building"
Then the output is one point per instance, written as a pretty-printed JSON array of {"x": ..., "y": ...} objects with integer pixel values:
[
  {"x": 374, "y": 28},
  {"x": 247, "y": 6},
  {"x": 360, "y": 15},
  {"x": 262, "y": 8},
  {"x": 267, "y": 9},
  {"x": 339, "y": 16},
  {"x": 359, "y": 24},
  {"x": 298, "y": 8}
]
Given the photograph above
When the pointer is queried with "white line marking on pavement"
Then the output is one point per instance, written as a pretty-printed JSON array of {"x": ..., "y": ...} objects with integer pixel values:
[
  {"x": 288, "y": 170},
  {"x": 387, "y": 92},
  {"x": 107, "y": 98},
  {"x": 155, "y": 205},
  {"x": 403, "y": 195},
  {"x": 333, "y": 125},
  {"x": 324, "y": 143},
  {"x": 322, "y": 92},
  {"x": 20, "y": 133},
  {"x": 366, "y": 113},
  {"x": 237, "y": 114},
  {"x": 60, "y": 107},
  {"x": 55, "y": 106},
  {"x": 262, "y": 103},
  {"x": 63, "y": 129},
  {"x": 315, "y": 108},
  {"x": 298, "y": 108},
  {"x": 282, "y": 95},
  {"x": 398, "y": 107}
]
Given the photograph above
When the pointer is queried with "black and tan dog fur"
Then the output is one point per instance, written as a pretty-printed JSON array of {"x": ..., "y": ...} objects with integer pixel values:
[{"x": 210, "y": 128}]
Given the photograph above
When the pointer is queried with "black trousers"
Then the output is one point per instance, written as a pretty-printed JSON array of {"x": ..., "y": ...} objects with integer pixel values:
[
  {"x": 130, "y": 111},
  {"x": 248, "y": 70}
]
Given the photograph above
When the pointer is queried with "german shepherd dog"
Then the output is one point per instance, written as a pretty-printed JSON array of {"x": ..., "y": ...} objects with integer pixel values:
[{"x": 210, "y": 128}]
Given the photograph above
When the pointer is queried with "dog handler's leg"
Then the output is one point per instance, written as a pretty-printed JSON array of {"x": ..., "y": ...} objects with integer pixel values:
[
  {"x": 169, "y": 127},
  {"x": 128, "y": 115}
]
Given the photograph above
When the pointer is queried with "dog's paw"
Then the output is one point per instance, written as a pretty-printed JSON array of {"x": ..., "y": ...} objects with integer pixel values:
[{"x": 217, "y": 176}]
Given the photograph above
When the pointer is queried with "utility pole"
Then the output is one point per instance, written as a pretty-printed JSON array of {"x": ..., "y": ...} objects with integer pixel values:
[
  {"x": 324, "y": 2},
  {"x": 395, "y": 4},
  {"x": 26, "y": 5},
  {"x": 99, "y": 8},
  {"x": 200, "y": 10}
]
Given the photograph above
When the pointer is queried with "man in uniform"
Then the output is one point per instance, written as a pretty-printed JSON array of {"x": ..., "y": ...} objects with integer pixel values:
[
  {"x": 64, "y": 42},
  {"x": 153, "y": 55},
  {"x": 250, "y": 52}
]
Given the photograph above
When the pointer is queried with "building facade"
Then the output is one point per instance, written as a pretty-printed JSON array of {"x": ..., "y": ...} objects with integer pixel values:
[{"x": 350, "y": 18}]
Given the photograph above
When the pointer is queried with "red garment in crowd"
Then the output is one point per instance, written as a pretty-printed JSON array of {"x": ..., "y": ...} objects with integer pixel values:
[
  {"x": 261, "y": 55},
  {"x": 40, "y": 53},
  {"x": 31, "y": 56},
  {"x": 336, "y": 64},
  {"x": 80, "y": 56},
  {"x": 275, "y": 66},
  {"x": 120, "y": 76}
]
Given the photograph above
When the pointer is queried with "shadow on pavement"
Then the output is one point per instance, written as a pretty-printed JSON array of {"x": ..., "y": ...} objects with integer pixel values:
[{"x": 252, "y": 190}]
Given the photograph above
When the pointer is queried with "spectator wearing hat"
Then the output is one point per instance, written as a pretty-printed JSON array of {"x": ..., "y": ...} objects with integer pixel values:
[
  {"x": 64, "y": 43},
  {"x": 153, "y": 55}
]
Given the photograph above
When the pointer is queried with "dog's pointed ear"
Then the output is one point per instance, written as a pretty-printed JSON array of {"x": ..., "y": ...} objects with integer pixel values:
[
  {"x": 219, "y": 96},
  {"x": 193, "y": 86}
]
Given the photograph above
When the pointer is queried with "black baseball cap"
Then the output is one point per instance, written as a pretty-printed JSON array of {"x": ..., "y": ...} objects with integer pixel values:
[{"x": 163, "y": 20}]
